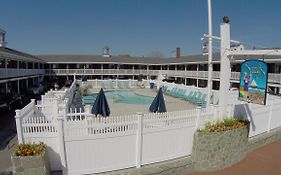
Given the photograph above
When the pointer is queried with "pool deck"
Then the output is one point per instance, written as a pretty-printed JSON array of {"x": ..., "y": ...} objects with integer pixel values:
[{"x": 172, "y": 103}]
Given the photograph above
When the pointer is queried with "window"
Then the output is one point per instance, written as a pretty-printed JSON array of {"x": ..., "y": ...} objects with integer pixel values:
[
  {"x": 30, "y": 65},
  {"x": 12, "y": 64},
  {"x": 22, "y": 65}
]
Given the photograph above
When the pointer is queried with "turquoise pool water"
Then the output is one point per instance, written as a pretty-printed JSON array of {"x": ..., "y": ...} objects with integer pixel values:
[{"x": 120, "y": 96}]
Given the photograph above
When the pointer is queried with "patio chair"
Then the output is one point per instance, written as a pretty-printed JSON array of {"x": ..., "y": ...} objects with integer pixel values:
[
  {"x": 186, "y": 97},
  {"x": 201, "y": 100},
  {"x": 193, "y": 96},
  {"x": 196, "y": 98}
]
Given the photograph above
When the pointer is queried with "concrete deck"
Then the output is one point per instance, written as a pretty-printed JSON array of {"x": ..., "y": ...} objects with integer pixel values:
[{"x": 172, "y": 104}]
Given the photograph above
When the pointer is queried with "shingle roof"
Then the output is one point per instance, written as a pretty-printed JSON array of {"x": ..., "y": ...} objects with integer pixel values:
[
  {"x": 19, "y": 53},
  {"x": 195, "y": 59},
  {"x": 122, "y": 59}
]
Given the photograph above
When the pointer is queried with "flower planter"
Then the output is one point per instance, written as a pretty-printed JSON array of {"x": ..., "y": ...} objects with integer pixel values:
[
  {"x": 31, "y": 165},
  {"x": 217, "y": 150}
]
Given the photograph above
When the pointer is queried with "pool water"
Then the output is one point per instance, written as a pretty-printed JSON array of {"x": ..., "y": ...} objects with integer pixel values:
[{"x": 120, "y": 96}]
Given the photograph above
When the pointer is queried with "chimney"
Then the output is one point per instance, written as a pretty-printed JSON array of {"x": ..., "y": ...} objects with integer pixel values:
[
  {"x": 106, "y": 52},
  {"x": 178, "y": 52},
  {"x": 2, "y": 38}
]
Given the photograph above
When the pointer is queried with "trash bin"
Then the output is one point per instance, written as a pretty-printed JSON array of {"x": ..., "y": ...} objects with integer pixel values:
[{"x": 151, "y": 85}]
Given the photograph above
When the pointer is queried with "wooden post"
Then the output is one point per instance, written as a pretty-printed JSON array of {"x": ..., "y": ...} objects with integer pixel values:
[
  {"x": 19, "y": 126},
  {"x": 139, "y": 139}
]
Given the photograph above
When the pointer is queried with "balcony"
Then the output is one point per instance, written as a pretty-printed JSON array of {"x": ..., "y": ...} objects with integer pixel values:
[
  {"x": 11, "y": 72},
  {"x": 273, "y": 78}
]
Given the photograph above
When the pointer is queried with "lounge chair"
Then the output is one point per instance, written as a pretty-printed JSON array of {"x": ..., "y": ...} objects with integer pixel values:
[
  {"x": 201, "y": 100},
  {"x": 186, "y": 97},
  {"x": 196, "y": 98}
]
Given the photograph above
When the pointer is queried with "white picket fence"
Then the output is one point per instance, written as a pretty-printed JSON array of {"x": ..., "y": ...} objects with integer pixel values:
[
  {"x": 80, "y": 143},
  {"x": 39, "y": 122},
  {"x": 33, "y": 126},
  {"x": 118, "y": 142}
]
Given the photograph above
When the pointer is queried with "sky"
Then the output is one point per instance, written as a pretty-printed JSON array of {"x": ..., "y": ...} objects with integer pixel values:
[{"x": 134, "y": 27}]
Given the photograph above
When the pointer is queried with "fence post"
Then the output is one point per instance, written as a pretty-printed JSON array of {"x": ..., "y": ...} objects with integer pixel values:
[
  {"x": 19, "y": 126},
  {"x": 42, "y": 100},
  {"x": 270, "y": 116},
  {"x": 198, "y": 115},
  {"x": 96, "y": 80},
  {"x": 62, "y": 144},
  {"x": 33, "y": 102},
  {"x": 229, "y": 110},
  {"x": 87, "y": 109},
  {"x": 216, "y": 113},
  {"x": 139, "y": 139}
]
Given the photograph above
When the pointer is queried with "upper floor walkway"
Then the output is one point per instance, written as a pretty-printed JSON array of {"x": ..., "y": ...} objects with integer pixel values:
[{"x": 274, "y": 79}]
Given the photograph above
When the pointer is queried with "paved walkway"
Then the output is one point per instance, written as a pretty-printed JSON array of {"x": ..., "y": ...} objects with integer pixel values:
[{"x": 263, "y": 161}]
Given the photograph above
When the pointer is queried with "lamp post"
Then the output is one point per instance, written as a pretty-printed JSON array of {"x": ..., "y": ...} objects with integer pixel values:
[{"x": 210, "y": 54}]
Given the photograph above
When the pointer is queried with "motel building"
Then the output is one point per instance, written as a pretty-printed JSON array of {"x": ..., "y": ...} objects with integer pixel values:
[
  {"x": 79, "y": 141},
  {"x": 20, "y": 71}
]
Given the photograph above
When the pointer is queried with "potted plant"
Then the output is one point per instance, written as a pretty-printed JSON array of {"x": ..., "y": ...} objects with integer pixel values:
[
  {"x": 30, "y": 159},
  {"x": 221, "y": 144}
]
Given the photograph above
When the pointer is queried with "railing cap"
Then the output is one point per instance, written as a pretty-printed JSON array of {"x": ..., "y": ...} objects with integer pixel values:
[
  {"x": 18, "y": 112},
  {"x": 139, "y": 113}
]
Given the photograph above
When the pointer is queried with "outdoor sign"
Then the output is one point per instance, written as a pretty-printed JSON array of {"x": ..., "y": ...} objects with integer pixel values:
[{"x": 253, "y": 82}]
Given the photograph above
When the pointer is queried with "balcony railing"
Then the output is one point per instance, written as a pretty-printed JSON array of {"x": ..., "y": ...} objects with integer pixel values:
[
  {"x": 11, "y": 72},
  {"x": 235, "y": 76}
]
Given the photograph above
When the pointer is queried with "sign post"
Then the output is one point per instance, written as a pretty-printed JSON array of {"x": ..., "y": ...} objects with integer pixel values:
[{"x": 225, "y": 68}]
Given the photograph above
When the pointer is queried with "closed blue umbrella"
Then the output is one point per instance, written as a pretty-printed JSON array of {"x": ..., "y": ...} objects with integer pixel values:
[
  {"x": 101, "y": 106},
  {"x": 158, "y": 104}
]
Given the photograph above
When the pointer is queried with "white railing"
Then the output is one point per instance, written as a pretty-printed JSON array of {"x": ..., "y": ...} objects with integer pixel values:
[
  {"x": 12, "y": 72},
  {"x": 101, "y": 72},
  {"x": 235, "y": 76},
  {"x": 114, "y": 84}
]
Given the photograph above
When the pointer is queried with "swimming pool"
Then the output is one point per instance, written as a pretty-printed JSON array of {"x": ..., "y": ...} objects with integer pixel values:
[{"x": 120, "y": 96}]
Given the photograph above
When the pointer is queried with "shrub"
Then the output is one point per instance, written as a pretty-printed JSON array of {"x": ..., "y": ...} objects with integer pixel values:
[
  {"x": 224, "y": 125},
  {"x": 30, "y": 149}
]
